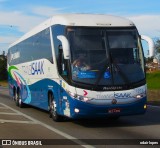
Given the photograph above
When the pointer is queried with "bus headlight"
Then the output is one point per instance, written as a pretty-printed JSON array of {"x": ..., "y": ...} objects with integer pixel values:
[
  {"x": 81, "y": 98},
  {"x": 78, "y": 97},
  {"x": 76, "y": 110},
  {"x": 73, "y": 95},
  {"x": 140, "y": 96}
]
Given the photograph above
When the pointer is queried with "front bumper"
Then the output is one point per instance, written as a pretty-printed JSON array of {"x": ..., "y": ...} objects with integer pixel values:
[{"x": 81, "y": 109}]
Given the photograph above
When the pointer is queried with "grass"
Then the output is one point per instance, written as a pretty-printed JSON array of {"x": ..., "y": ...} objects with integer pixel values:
[
  {"x": 153, "y": 80},
  {"x": 153, "y": 97},
  {"x": 153, "y": 85}
]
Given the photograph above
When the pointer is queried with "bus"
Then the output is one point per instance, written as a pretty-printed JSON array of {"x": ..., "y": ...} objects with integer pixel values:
[{"x": 42, "y": 70}]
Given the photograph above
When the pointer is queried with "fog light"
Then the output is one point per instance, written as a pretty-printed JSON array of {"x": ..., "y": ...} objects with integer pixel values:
[
  {"x": 76, "y": 110},
  {"x": 145, "y": 106},
  {"x": 138, "y": 96}
]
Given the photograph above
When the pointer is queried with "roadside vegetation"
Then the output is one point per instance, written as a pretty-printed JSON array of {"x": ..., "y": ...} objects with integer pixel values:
[
  {"x": 153, "y": 84},
  {"x": 3, "y": 69},
  {"x": 153, "y": 80}
]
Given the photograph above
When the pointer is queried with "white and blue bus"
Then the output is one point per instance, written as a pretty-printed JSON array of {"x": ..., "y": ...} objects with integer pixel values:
[{"x": 43, "y": 73}]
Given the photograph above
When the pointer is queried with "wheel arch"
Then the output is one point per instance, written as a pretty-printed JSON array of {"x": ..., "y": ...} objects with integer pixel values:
[
  {"x": 50, "y": 92},
  {"x": 18, "y": 90}
]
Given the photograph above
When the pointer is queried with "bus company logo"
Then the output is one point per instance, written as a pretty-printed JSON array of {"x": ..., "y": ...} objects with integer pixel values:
[
  {"x": 122, "y": 95},
  {"x": 104, "y": 96},
  {"x": 35, "y": 68},
  {"x": 114, "y": 101}
]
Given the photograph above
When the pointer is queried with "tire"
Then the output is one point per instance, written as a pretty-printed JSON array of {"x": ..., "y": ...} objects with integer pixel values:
[
  {"x": 21, "y": 104},
  {"x": 52, "y": 109},
  {"x": 50, "y": 105},
  {"x": 16, "y": 99}
]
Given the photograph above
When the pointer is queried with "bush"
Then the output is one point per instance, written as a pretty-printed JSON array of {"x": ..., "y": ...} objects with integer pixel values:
[
  {"x": 153, "y": 80},
  {"x": 3, "y": 68}
]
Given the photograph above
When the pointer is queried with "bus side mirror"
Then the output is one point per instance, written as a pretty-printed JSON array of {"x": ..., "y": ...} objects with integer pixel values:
[
  {"x": 150, "y": 44},
  {"x": 65, "y": 46}
]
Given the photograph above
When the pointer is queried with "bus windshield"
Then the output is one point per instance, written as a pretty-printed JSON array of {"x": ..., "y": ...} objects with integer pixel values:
[{"x": 106, "y": 56}]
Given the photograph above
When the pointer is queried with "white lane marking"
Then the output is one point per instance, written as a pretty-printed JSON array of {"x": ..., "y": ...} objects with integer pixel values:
[
  {"x": 16, "y": 121},
  {"x": 13, "y": 114},
  {"x": 5, "y": 113},
  {"x": 3, "y": 107},
  {"x": 67, "y": 136}
]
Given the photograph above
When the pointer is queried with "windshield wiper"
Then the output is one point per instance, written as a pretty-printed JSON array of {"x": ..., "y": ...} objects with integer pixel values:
[
  {"x": 123, "y": 76},
  {"x": 101, "y": 74}
]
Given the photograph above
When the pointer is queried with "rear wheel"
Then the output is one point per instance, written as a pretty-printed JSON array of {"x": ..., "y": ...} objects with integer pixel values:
[
  {"x": 14, "y": 94},
  {"x": 16, "y": 98},
  {"x": 52, "y": 109}
]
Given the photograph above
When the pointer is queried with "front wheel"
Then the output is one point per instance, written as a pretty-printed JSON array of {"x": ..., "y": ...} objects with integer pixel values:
[{"x": 53, "y": 109}]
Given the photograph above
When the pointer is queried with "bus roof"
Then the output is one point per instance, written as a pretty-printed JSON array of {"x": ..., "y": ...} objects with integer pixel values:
[{"x": 93, "y": 20}]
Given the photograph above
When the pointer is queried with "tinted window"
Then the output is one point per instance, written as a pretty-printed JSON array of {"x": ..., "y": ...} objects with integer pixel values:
[
  {"x": 106, "y": 56},
  {"x": 33, "y": 48}
]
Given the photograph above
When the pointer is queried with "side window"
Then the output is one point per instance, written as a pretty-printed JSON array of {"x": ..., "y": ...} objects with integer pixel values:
[
  {"x": 33, "y": 48},
  {"x": 41, "y": 46},
  {"x": 25, "y": 50},
  {"x": 14, "y": 55},
  {"x": 62, "y": 64}
]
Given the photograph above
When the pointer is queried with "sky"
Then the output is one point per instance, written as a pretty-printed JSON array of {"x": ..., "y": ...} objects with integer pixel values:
[{"x": 17, "y": 17}]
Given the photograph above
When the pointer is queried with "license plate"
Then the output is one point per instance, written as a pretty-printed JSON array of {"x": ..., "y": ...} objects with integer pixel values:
[{"x": 115, "y": 110}]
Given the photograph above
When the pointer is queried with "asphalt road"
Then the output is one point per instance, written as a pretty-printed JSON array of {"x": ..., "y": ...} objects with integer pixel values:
[{"x": 32, "y": 123}]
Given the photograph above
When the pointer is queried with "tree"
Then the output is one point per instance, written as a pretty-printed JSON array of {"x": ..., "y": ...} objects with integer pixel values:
[
  {"x": 157, "y": 46},
  {"x": 157, "y": 50},
  {"x": 3, "y": 67},
  {"x": 149, "y": 60}
]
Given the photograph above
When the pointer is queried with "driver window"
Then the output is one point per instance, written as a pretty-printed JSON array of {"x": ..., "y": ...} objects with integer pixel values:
[{"x": 62, "y": 64}]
